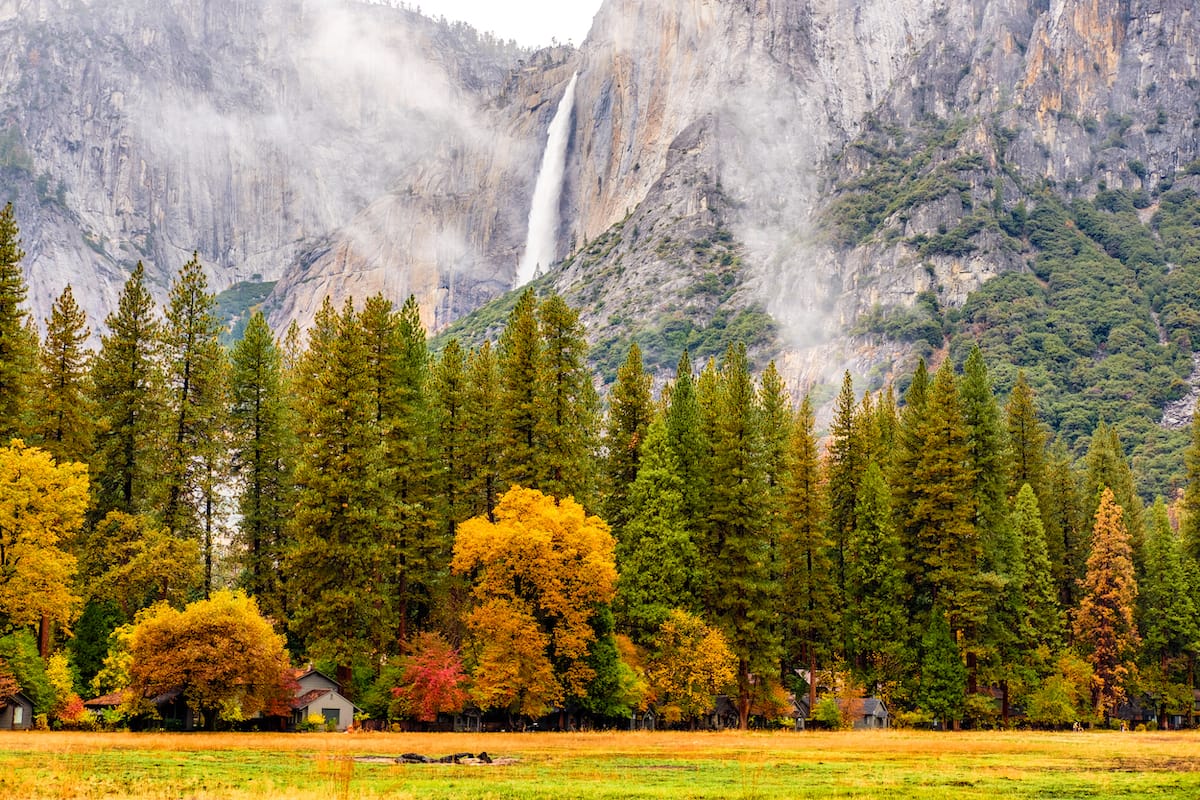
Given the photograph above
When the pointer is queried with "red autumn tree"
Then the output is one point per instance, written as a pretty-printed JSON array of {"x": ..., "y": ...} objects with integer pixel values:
[
  {"x": 1104, "y": 624},
  {"x": 433, "y": 681}
]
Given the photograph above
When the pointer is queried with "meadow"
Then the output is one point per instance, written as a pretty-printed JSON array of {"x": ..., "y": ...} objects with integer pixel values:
[{"x": 602, "y": 765}]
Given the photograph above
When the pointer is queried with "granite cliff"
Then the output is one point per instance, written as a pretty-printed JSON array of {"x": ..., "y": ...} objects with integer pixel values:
[{"x": 724, "y": 172}]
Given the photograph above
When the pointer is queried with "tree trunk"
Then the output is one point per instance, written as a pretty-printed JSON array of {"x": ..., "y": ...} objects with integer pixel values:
[
  {"x": 743, "y": 701},
  {"x": 1004, "y": 709},
  {"x": 812, "y": 679},
  {"x": 44, "y": 629},
  {"x": 345, "y": 679}
]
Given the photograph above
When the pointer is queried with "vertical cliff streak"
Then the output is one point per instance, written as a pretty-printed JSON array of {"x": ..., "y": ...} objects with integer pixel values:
[{"x": 541, "y": 242}]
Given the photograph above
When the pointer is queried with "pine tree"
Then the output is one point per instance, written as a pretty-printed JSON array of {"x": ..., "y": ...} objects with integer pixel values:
[
  {"x": 65, "y": 416},
  {"x": 1189, "y": 528},
  {"x": 340, "y": 556},
  {"x": 687, "y": 438},
  {"x": 740, "y": 593},
  {"x": 987, "y": 459},
  {"x": 908, "y": 452},
  {"x": 483, "y": 457},
  {"x": 263, "y": 459},
  {"x": 1104, "y": 623},
  {"x": 807, "y": 588},
  {"x": 450, "y": 388},
  {"x": 943, "y": 676},
  {"x": 1042, "y": 619},
  {"x": 1168, "y": 619},
  {"x": 196, "y": 372},
  {"x": 874, "y": 584},
  {"x": 520, "y": 369},
  {"x": 945, "y": 552},
  {"x": 569, "y": 409},
  {"x": 129, "y": 390},
  {"x": 656, "y": 553},
  {"x": 1062, "y": 518},
  {"x": 1026, "y": 439},
  {"x": 630, "y": 411},
  {"x": 17, "y": 352},
  {"x": 398, "y": 375},
  {"x": 1108, "y": 467},
  {"x": 845, "y": 469},
  {"x": 886, "y": 423}
]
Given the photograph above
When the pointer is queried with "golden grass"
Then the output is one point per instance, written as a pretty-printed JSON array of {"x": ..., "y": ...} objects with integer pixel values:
[{"x": 654, "y": 765}]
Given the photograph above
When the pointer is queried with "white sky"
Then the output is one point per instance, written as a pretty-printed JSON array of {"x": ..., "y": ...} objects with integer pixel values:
[{"x": 529, "y": 22}]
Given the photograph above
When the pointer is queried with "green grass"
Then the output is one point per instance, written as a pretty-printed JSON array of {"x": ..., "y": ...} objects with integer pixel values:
[{"x": 604, "y": 765}]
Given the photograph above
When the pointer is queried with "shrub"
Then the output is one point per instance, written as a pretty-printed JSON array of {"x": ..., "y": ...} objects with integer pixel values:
[{"x": 827, "y": 714}]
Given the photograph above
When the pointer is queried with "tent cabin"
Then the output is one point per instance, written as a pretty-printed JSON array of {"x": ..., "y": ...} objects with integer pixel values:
[{"x": 16, "y": 713}]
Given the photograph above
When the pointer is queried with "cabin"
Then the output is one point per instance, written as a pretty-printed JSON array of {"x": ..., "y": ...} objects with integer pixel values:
[
  {"x": 317, "y": 693},
  {"x": 16, "y": 713},
  {"x": 867, "y": 713}
]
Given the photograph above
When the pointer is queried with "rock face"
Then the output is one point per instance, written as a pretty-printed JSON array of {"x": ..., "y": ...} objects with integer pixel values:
[
  {"x": 349, "y": 149},
  {"x": 246, "y": 131}
]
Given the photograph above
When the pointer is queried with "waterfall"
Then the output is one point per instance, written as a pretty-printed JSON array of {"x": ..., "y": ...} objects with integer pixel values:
[{"x": 542, "y": 239}]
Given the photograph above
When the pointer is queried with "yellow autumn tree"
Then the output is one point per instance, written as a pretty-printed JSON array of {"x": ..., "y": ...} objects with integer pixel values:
[
  {"x": 690, "y": 665},
  {"x": 539, "y": 573},
  {"x": 131, "y": 561},
  {"x": 41, "y": 509}
]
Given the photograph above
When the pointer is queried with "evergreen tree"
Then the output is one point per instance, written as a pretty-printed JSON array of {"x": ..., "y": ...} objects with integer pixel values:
[
  {"x": 568, "y": 407},
  {"x": 1189, "y": 527},
  {"x": 987, "y": 460},
  {"x": 945, "y": 551},
  {"x": 1062, "y": 518},
  {"x": 845, "y": 471},
  {"x": 1168, "y": 619},
  {"x": 65, "y": 415},
  {"x": 776, "y": 422},
  {"x": 736, "y": 551},
  {"x": 398, "y": 374},
  {"x": 656, "y": 553},
  {"x": 341, "y": 556},
  {"x": 17, "y": 352},
  {"x": 1104, "y": 623},
  {"x": 687, "y": 438},
  {"x": 483, "y": 456},
  {"x": 909, "y": 445},
  {"x": 874, "y": 583},
  {"x": 630, "y": 411},
  {"x": 1026, "y": 439},
  {"x": 520, "y": 369},
  {"x": 128, "y": 389},
  {"x": 1108, "y": 467},
  {"x": 1042, "y": 620},
  {"x": 943, "y": 676},
  {"x": 197, "y": 387},
  {"x": 886, "y": 423},
  {"x": 263, "y": 459},
  {"x": 450, "y": 387},
  {"x": 806, "y": 577}
]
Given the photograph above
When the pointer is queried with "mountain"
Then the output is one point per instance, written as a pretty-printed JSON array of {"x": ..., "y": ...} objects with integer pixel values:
[
  {"x": 832, "y": 182},
  {"x": 247, "y": 131}
]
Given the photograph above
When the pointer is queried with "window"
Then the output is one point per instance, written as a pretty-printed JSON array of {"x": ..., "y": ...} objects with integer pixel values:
[
  {"x": 333, "y": 715},
  {"x": 18, "y": 714}
]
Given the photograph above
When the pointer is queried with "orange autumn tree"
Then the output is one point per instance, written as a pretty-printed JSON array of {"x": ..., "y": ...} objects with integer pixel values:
[
  {"x": 1104, "y": 623},
  {"x": 539, "y": 574},
  {"x": 221, "y": 653}
]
